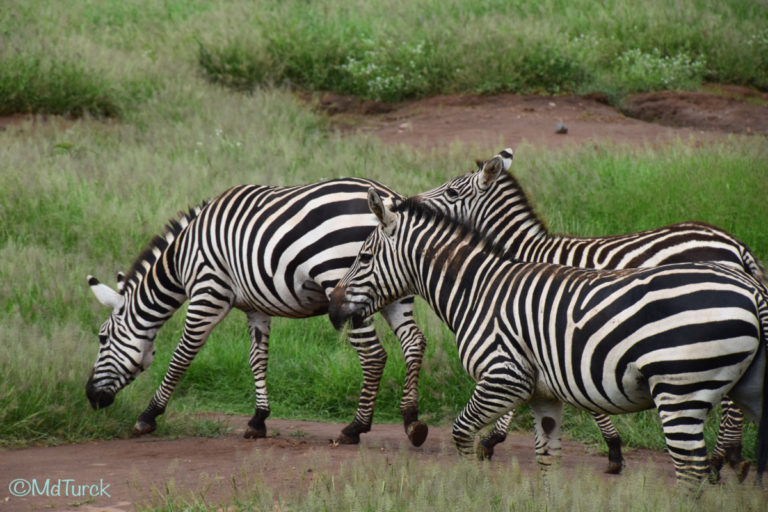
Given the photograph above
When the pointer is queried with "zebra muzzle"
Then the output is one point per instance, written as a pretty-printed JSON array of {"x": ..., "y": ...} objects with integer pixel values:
[
  {"x": 341, "y": 311},
  {"x": 98, "y": 398}
]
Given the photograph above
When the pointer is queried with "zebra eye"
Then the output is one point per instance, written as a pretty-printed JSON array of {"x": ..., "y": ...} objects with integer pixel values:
[
  {"x": 452, "y": 193},
  {"x": 102, "y": 339},
  {"x": 365, "y": 258}
]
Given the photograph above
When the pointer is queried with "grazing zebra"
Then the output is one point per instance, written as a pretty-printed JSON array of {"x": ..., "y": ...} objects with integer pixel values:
[
  {"x": 492, "y": 201},
  {"x": 676, "y": 337},
  {"x": 268, "y": 251}
]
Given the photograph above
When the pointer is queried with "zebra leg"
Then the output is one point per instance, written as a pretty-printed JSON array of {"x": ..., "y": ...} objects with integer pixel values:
[
  {"x": 613, "y": 440},
  {"x": 728, "y": 445},
  {"x": 205, "y": 311},
  {"x": 372, "y": 359},
  {"x": 547, "y": 420},
  {"x": 258, "y": 325},
  {"x": 683, "y": 426},
  {"x": 497, "y": 435},
  {"x": 494, "y": 395},
  {"x": 399, "y": 316}
]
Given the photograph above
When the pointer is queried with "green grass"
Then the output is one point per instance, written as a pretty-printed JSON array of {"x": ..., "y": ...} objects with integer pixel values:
[
  {"x": 84, "y": 196},
  {"x": 468, "y": 46},
  {"x": 109, "y": 59},
  {"x": 408, "y": 481}
]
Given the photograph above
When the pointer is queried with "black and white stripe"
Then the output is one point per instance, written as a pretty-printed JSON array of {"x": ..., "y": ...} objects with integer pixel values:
[
  {"x": 492, "y": 201},
  {"x": 676, "y": 337},
  {"x": 268, "y": 251}
]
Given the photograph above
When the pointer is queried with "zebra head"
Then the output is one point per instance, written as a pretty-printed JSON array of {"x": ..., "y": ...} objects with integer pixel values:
[
  {"x": 125, "y": 350},
  {"x": 467, "y": 198},
  {"x": 373, "y": 281}
]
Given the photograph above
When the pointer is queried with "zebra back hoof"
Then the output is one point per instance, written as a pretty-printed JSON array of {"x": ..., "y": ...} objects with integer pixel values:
[
  {"x": 348, "y": 438},
  {"x": 417, "y": 432},
  {"x": 252, "y": 433},
  {"x": 614, "y": 467},
  {"x": 742, "y": 470},
  {"x": 142, "y": 427}
]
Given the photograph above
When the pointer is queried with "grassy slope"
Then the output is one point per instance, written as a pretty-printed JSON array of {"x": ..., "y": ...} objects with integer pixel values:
[{"x": 80, "y": 197}]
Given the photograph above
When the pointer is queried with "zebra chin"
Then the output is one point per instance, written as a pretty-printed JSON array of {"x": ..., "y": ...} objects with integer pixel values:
[{"x": 99, "y": 398}]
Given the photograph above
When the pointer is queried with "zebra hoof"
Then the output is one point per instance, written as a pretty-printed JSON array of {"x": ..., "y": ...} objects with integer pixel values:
[
  {"x": 417, "y": 432},
  {"x": 252, "y": 433},
  {"x": 348, "y": 438},
  {"x": 742, "y": 471},
  {"x": 614, "y": 467},
  {"x": 141, "y": 428}
]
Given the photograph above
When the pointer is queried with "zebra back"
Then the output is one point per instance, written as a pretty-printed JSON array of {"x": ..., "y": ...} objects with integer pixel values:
[{"x": 492, "y": 201}]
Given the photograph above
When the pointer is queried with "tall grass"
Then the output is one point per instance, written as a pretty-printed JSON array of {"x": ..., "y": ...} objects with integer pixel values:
[
  {"x": 468, "y": 46},
  {"x": 111, "y": 58},
  {"x": 404, "y": 482}
]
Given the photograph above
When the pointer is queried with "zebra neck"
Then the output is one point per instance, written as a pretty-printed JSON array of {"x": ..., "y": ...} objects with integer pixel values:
[
  {"x": 510, "y": 222},
  {"x": 451, "y": 272},
  {"x": 155, "y": 296}
]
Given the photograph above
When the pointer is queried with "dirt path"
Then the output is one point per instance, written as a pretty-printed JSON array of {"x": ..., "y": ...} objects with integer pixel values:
[
  {"x": 134, "y": 469},
  {"x": 494, "y": 122},
  {"x": 125, "y": 472}
]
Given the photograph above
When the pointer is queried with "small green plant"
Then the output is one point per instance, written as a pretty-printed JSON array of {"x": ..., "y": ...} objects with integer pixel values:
[
  {"x": 386, "y": 70},
  {"x": 636, "y": 70}
]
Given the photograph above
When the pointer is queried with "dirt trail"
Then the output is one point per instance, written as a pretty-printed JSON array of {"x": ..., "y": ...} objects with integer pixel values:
[
  {"x": 125, "y": 472},
  {"x": 134, "y": 469}
]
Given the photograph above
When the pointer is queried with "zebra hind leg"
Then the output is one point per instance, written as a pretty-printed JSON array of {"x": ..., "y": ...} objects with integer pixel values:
[
  {"x": 399, "y": 316},
  {"x": 729, "y": 447},
  {"x": 613, "y": 440},
  {"x": 372, "y": 359},
  {"x": 258, "y": 326}
]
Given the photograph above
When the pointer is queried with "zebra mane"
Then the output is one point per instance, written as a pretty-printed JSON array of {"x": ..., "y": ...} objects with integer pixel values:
[
  {"x": 160, "y": 243},
  {"x": 412, "y": 206}
]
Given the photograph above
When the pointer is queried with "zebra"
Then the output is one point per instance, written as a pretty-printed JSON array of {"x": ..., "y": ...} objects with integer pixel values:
[
  {"x": 268, "y": 251},
  {"x": 677, "y": 337},
  {"x": 492, "y": 200}
]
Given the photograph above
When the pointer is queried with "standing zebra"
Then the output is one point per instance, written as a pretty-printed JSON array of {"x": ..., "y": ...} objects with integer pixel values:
[
  {"x": 676, "y": 337},
  {"x": 268, "y": 251},
  {"x": 492, "y": 201}
]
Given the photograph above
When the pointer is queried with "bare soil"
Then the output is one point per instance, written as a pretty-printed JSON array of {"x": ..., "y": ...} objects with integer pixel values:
[
  {"x": 138, "y": 471},
  {"x": 495, "y": 122},
  {"x": 141, "y": 470}
]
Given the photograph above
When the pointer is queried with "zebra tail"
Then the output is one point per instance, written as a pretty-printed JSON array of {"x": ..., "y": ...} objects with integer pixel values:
[{"x": 762, "y": 431}]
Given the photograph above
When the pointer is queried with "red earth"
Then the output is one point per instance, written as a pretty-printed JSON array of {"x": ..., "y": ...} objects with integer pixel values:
[{"x": 137, "y": 470}]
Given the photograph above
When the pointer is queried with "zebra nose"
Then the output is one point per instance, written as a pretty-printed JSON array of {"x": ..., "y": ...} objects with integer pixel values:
[
  {"x": 98, "y": 398},
  {"x": 336, "y": 307}
]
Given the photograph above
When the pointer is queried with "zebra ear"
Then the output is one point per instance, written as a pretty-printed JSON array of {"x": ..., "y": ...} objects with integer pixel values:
[
  {"x": 105, "y": 294},
  {"x": 493, "y": 168},
  {"x": 385, "y": 216}
]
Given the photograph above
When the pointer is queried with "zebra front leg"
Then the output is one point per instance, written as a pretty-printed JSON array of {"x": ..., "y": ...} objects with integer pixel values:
[
  {"x": 259, "y": 326},
  {"x": 497, "y": 435},
  {"x": 494, "y": 395},
  {"x": 548, "y": 421},
  {"x": 203, "y": 314},
  {"x": 372, "y": 360},
  {"x": 613, "y": 440},
  {"x": 729, "y": 447},
  {"x": 399, "y": 316}
]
